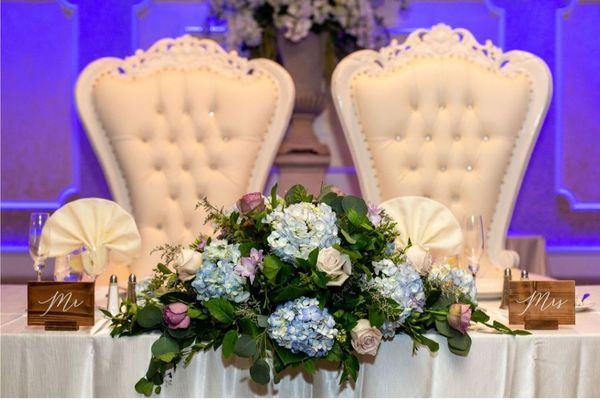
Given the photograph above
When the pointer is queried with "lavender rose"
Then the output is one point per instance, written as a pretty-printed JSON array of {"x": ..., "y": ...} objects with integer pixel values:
[
  {"x": 251, "y": 202},
  {"x": 187, "y": 263},
  {"x": 365, "y": 338},
  {"x": 459, "y": 316},
  {"x": 336, "y": 265},
  {"x": 175, "y": 315}
]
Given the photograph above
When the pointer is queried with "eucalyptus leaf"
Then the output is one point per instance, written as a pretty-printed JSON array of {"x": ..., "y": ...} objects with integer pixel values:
[
  {"x": 149, "y": 316},
  {"x": 460, "y": 345},
  {"x": 260, "y": 372},
  {"x": 245, "y": 346},
  {"x": 164, "y": 345},
  {"x": 167, "y": 357},
  {"x": 144, "y": 386},
  {"x": 262, "y": 321}
]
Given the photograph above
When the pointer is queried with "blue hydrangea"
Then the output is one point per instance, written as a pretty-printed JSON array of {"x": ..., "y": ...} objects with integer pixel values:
[
  {"x": 217, "y": 278},
  {"x": 300, "y": 228},
  {"x": 453, "y": 281},
  {"x": 401, "y": 283},
  {"x": 301, "y": 326}
]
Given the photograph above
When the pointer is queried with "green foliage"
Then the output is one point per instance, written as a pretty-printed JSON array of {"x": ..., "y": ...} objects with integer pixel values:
[
  {"x": 260, "y": 372},
  {"x": 245, "y": 346},
  {"x": 149, "y": 316},
  {"x": 221, "y": 310},
  {"x": 229, "y": 341}
]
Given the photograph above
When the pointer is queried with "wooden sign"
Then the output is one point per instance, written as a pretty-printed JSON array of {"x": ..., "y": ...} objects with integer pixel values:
[
  {"x": 541, "y": 304},
  {"x": 55, "y": 302}
]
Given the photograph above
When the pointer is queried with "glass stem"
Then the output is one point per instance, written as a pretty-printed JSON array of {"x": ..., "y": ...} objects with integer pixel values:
[{"x": 39, "y": 275}]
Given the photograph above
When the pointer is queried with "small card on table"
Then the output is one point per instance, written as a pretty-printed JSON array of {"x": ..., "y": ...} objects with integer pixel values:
[
  {"x": 541, "y": 304},
  {"x": 53, "y": 303}
]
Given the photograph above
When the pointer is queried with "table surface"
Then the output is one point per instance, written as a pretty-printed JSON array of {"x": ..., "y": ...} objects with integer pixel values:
[{"x": 518, "y": 367}]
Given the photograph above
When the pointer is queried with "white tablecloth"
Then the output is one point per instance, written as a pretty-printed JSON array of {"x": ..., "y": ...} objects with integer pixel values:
[{"x": 36, "y": 363}]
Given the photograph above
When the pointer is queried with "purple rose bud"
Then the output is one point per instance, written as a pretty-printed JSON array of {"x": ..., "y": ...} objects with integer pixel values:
[
  {"x": 251, "y": 202},
  {"x": 176, "y": 317},
  {"x": 459, "y": 316}
]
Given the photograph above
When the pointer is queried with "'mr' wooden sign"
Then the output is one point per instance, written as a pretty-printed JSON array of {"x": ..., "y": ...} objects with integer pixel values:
[
  {"x": 60, "y": 302},
  {"x": 542, "y": 304}
]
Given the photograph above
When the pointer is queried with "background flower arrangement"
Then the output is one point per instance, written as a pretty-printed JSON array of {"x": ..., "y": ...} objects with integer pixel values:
[
  {"x": 350, "y": 24},
  {"x": 293, "y": 281}
]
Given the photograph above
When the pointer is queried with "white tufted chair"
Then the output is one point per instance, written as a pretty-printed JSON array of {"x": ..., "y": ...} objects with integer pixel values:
[
  {"x": 178, "y": 122},
  {"x": 445, "y": 117}
]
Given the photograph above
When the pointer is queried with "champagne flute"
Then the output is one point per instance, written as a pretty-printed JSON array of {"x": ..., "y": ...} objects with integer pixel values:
[
  {"x": 37, "y": 250},
  {"x": 474, "y": 241}
]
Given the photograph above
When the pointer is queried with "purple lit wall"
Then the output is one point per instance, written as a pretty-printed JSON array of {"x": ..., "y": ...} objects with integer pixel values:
[{"x": 46, "y": 158}]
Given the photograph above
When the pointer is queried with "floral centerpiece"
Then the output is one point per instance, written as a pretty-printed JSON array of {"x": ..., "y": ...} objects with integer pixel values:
[{"x": 292, "y": 281}]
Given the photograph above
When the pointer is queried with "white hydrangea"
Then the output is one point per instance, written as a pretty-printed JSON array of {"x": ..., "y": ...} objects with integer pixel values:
[
  {"x": 221, "y": 250},
  {"x": 300, "y": 228}
]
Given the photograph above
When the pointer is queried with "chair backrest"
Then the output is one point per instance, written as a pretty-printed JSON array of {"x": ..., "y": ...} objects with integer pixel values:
[
  {"x": 445, "y": 117},
  {"x": 179, "y": 122}
]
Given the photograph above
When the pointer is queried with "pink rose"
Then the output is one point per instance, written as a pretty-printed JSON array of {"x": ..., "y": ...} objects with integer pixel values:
[
  {"x": 176, "y": 317},
  {"x": 251, "y": 202},
  {"x": 365, "y": 338},
  {"x": 459, "y": 316}
]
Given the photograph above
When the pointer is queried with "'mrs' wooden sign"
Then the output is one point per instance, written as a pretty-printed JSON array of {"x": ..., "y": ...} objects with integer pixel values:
[
  {"x": 49, "y": 302},
  {"x": 542, "y": 304}
]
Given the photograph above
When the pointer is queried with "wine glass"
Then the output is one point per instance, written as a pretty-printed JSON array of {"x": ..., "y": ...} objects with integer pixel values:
[
  {"x": 37, "y": 250},
  {"x": 474, "y": 242}
]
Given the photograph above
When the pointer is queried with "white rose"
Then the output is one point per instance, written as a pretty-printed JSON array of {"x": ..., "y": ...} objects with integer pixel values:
[
  {"x": 365, "y": 338},
  {"x": 419, "y": 257},
  {"x": 187, "y": 263},
  {"x": 335, "y": 264}
]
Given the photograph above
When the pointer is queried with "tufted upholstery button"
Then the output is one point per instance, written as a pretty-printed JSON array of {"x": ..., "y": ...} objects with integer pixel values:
[
  {"x": 428, "y": 138},
  {"x": 469, "y": 168},
  {"x": 455, "y": 198},
  {"x": 211, "y": 113},
  {"x": 486, "y": 138},
  {"x": 159, "y": 226},
  {"x": 157, "y": 167},
  {"x": 185, "y": 167},
  {"x": 443, "y": 168},
  {"x": 213, "y": 166},
  {"x": 226, "y": 138},
  {"x": 413, "y": 167},
  {"x": 173, "y": 196},
  {"x": 442, "y": 106},
  {"x": 397, "y": 138},
  {"x": 456, "y": 137},
  {"x": 159, "y": 110}
]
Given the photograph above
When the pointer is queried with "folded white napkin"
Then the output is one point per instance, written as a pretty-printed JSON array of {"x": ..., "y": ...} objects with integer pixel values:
[
  {"x": 99, "y": 225},
  {"x": 429, "y": 224}
]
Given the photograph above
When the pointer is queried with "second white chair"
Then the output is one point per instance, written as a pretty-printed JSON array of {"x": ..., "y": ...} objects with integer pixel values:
[{"x": 445, "y": 117}]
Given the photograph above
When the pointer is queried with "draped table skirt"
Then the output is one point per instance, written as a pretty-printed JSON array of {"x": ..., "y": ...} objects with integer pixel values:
[{"x": 36, "y": 363}]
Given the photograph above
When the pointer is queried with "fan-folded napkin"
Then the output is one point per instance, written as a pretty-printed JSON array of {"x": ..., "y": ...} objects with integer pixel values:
[
  {"x": 427, "y": 223},
  {"x": 98, "y": 225}
]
